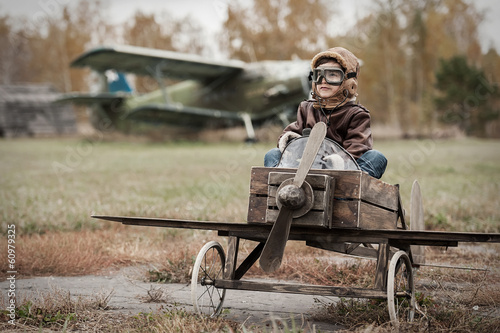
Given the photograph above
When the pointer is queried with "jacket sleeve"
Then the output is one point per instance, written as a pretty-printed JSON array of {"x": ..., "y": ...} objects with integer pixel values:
[{"x": 358, "y": 139}]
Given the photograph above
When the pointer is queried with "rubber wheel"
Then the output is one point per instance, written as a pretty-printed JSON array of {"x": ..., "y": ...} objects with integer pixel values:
[
  {"x": 400, "y": 289},
  {"x": 209, "y": 266}
]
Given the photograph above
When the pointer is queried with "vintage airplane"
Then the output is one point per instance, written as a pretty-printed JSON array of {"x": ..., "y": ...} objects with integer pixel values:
[{"x": 232, "y": 91}]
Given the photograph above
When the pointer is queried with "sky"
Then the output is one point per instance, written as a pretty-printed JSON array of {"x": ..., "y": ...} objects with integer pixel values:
[{"x": 211, "y": 13}]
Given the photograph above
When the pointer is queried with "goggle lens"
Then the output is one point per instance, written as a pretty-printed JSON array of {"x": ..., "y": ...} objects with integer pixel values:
[{"x": 333, "y": 76}]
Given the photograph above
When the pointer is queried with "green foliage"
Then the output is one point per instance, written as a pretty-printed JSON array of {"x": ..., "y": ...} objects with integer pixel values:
[
  {"x": 424, "y": 300},
  {"x": 466, "y": 96},
  {"x": 439, "y": 221},
  {"x": 43, "y": 316}
]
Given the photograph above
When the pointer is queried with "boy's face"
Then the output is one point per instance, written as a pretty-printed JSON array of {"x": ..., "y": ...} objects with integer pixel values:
[{"x": 325, "y": 90}]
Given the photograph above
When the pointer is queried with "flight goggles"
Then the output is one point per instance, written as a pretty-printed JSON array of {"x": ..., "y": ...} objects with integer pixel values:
[{"x": 332, "y": 75}]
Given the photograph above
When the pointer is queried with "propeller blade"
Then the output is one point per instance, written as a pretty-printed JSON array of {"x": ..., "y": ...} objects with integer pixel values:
[
  {"x": 313, "y": 144},
  {"x": 272, "y": 254}
]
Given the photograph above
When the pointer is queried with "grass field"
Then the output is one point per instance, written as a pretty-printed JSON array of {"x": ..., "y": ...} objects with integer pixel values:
[
  {"x": 57, "y": 184},
  {"x": 49, "y": 188}
]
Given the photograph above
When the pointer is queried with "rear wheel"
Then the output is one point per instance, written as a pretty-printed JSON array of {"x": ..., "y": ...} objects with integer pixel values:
[
  {"x": 209, "y": 266},
  {"x": 400, "y": 289}
]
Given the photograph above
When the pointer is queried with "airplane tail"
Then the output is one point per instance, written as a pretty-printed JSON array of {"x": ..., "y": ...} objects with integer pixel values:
[{"x": 117, "y": 82}]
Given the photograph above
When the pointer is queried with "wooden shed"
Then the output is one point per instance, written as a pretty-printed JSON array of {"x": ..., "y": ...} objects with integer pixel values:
[{"x": 28, "y": 110}]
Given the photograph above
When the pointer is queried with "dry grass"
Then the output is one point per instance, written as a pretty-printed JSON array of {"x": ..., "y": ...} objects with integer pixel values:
[
  {"x": 308, "y": 265},
  {"x": 449, "y": 300},
  {"x": 57, "y": 310},
  {"x": 88, "y": 252},
  {"x": 62, "y": 183}
]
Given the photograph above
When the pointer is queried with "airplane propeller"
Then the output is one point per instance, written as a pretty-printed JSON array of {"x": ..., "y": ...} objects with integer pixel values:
[{"x": 291, "y": 197}]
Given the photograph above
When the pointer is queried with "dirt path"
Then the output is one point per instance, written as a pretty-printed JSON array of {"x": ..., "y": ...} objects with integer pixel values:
[{"x": 129, "y": 295}]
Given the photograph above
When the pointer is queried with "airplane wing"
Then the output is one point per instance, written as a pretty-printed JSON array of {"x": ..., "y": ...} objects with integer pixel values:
[
  {"x": 90, "y": 99},
  {"x": 193, "y": 116},
  {"x": 157, "y": 110},
  {"x": 154, "y": 62}
]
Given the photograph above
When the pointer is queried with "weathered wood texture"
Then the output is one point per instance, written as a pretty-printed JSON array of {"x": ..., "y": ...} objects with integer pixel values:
[
  {"x": 358, "y": 200},
  {"x": 321, "y": 211},
  {"x": 27, "y": 110},
  {"x": 232, "y": 257},
  {"x": 396, "y": 238},
  {"x": 301, "y": 289}
]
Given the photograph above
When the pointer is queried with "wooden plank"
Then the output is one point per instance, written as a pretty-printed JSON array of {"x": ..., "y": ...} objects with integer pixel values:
[
  {"x": 257, "y": 206},
  {"x": 347, "y": 181},
  {"x": 364, "y": 252},
  {"x": 232, "y": 257},
  {"x": 318, "y": 202},
  {"x": 328, "y": 198},
  {"x": 409, "y": 237},
  {"x": 358, "y": 214},
  {"x": 317, "y": 182},
  {"x": 311, "y": 219},
  {"x": 373, "y": 217},
  {"x": 317, "y": 216},
  {"x": 249, "y": 261},
  {"x": 345, "y": 214},
  {"x": 258, "y": 180},
  {"x": 378, "y": 192},
  {"x": 301, "y": 289},
  {"x": 401, "y": 211},
  {"x": 382, "y": 267}
]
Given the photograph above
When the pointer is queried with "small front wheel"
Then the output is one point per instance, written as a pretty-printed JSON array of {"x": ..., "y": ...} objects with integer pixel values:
[
  {"x": 209, "y": 266},
  {"x": 400, "y": 289}
]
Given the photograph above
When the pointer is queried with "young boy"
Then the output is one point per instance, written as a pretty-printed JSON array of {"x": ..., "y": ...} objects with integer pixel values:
[{"x": 334, "y": 89}]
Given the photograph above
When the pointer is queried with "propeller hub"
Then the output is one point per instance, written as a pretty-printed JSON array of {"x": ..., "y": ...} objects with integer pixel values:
[{"x": 292, "y": 196}]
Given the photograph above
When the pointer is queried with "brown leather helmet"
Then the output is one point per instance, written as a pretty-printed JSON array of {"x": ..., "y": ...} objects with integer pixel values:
[{"x": 350, "y": 65}]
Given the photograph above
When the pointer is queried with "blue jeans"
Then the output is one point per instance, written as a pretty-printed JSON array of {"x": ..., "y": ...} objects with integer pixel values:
[{"x": 373, "y": 162}]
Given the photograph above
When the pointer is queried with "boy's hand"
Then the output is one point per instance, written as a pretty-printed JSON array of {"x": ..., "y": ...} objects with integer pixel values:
[
  {"x": 335, "y": 162},
  {"x": 287, "y": 137}
]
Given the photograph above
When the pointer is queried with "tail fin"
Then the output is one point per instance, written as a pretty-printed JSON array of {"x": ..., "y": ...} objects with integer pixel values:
[{"x": 117, "y": 82}]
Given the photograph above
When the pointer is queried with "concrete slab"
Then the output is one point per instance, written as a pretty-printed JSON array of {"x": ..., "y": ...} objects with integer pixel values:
[{"x": 129, "y": 294}]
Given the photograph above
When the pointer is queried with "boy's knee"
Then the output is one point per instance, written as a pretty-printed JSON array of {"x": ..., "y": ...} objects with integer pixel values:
[
  {"x": 272, "y": 158},
  {"x": 373, "y": 162},
  {"x": 377, "y": 156}
]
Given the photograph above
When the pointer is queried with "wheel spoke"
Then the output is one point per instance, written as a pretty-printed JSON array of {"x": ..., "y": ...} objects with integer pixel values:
[
  {"x": 207, "y": 299},
  {"x": 400, "y": 289}
]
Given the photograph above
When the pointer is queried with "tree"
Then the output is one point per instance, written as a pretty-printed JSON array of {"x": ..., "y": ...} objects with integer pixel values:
[
  {"x": 466, "y": 97},
  {"x": 14, "y": 53},
  {"x": 164, "y": 32},
  {"x": 400, "y": 43},
  {"x": 276, "y": 30},
  {"x": 54, "y": 41}
]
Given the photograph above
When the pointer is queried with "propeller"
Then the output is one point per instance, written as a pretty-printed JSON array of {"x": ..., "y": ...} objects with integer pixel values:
[{"x": 291, "y": 197}]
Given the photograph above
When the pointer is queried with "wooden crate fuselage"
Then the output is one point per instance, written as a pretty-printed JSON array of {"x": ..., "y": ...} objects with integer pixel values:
[{"x": 342, "y": 199}]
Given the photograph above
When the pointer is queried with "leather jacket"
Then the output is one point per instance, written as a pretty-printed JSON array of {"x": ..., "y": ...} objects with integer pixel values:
[{"x": 349, "y": 125}]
